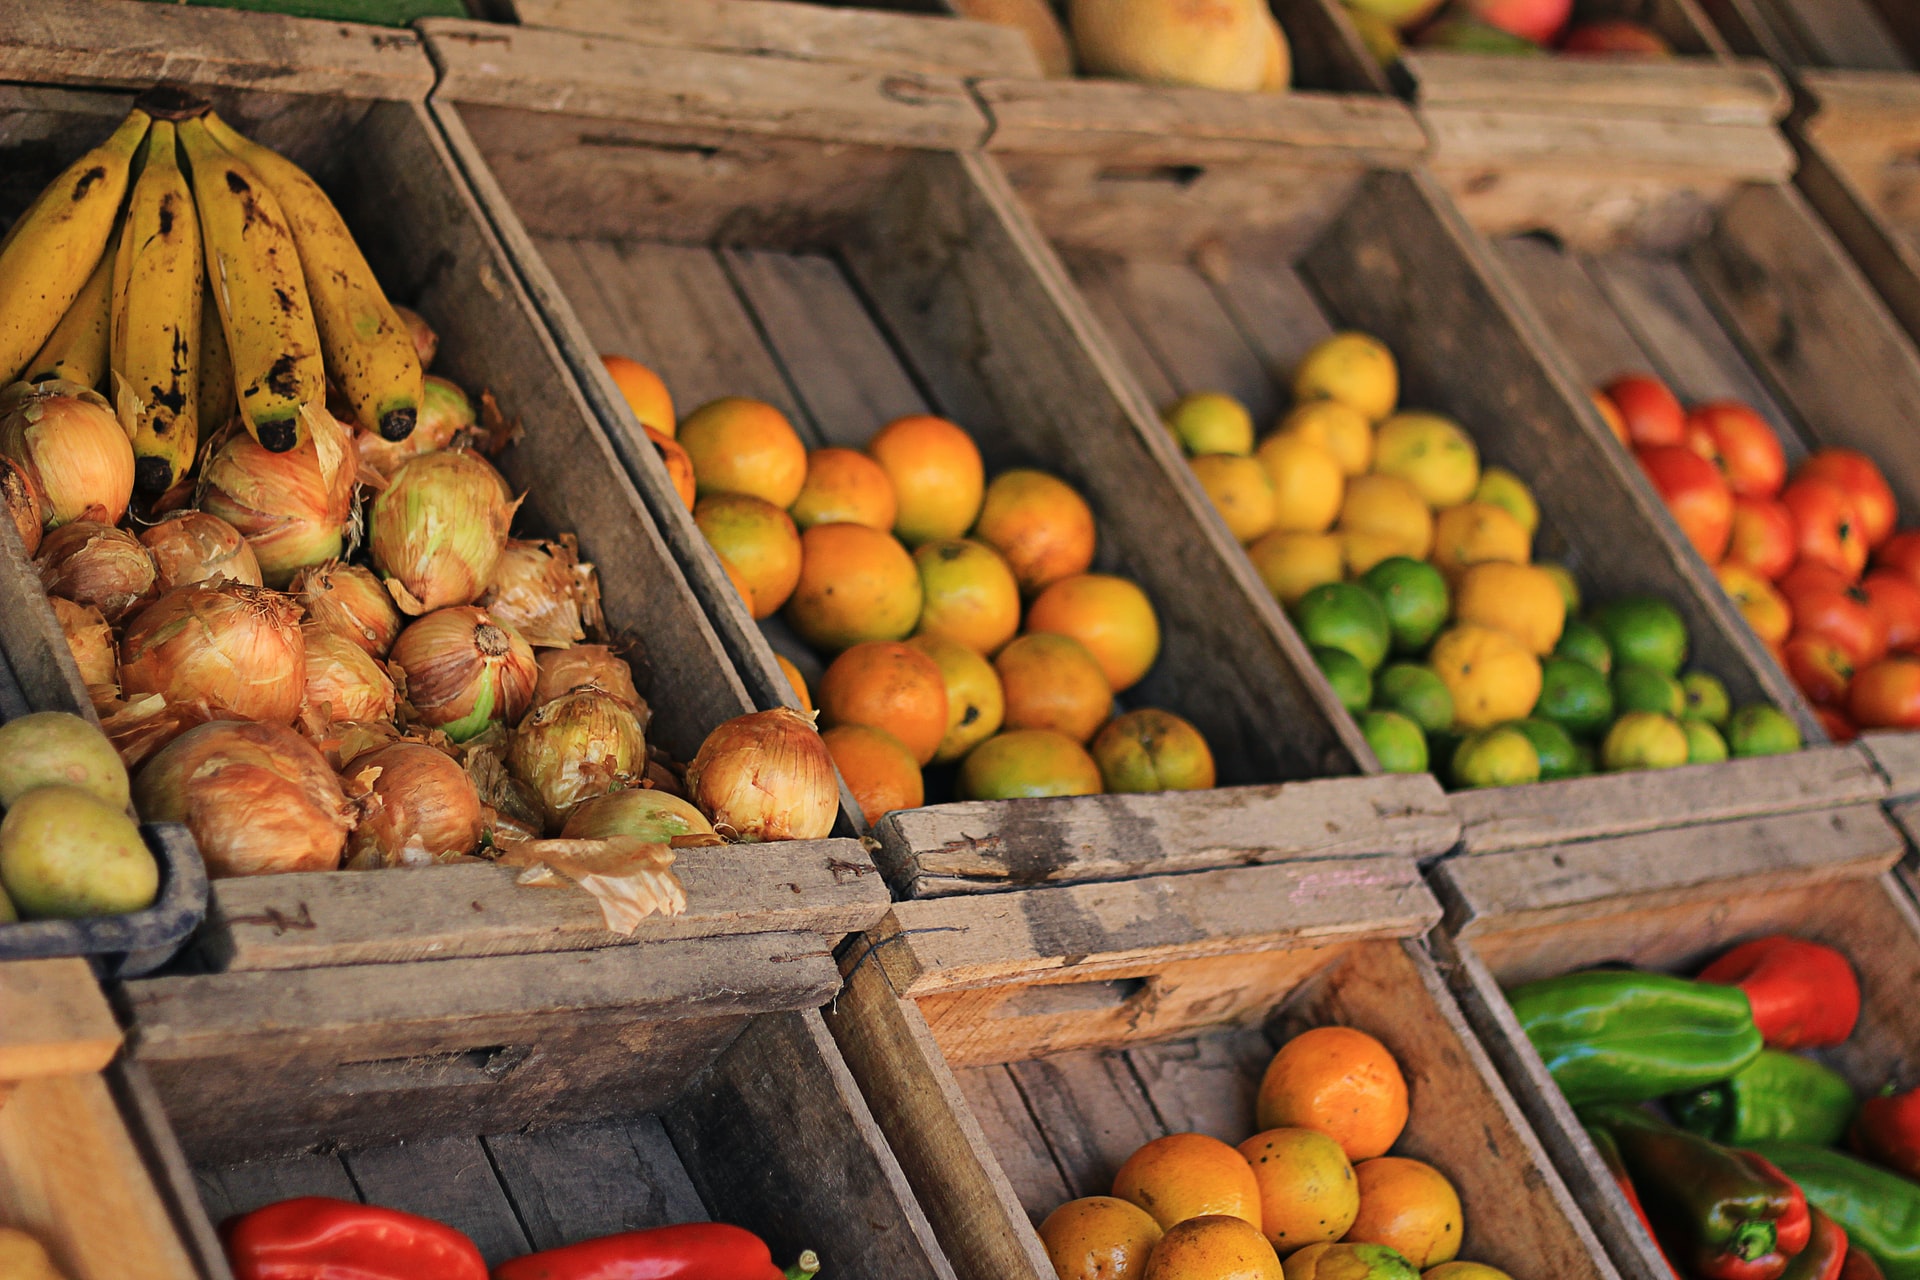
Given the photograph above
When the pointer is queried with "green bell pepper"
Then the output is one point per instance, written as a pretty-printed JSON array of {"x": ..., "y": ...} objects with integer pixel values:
[
  {"x": 1778, "y": 1097},
  {"x": 1879, "y": 1211}
]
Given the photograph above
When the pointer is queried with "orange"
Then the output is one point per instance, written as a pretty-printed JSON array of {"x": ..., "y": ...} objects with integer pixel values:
[
  {"x": 1214, "y": 1247},
  {"x": 1409, "y": 1207},
  {"x": 879, "y": 771},
  {"x": 1099, "y": 1238},
  {"x": 1492, "y": 676},
  {"x": 1109, "y": 615},
  {"x": 1353, "y": 368},
  {"x": 758, "y": 541},
  {"x": 745, "y": 446},
  {"x": 975, "y": 704},
  {"x": 888, "y": 685},
  {"x": 937, "y": 476},
  {"x": 1307, "y": 1190},
  {"x": 844, "y": 486},
  {"x": 1189, "y": 1175},
  {"x": 1240, "y": 491},
  {"x": 1340, "y": 429},
  {"x": 1040, "y": 524},
  {"x": 741, "y": 586},
  {"x": 1432, "y": 453},
  {"x": 1382, "y": 517},
  {"x": 1052, "y": 682},
  {"x": 968, "y": 593},
  {"x": 1341, "y": 1082},
  {"x": 1152, "y": 750},
  {"x": 798, "y": 681},
  {"x": 679, "y": 465},
  {"x": 1519, "y": 599},
  {"x": 1026, "y": 763},
  {"x": 1474, "y": 532},
  {"x": 1292, "y": 564},
  {"x": 644, "y": 393},
  {"x": 1308, "y": 482},
  {"x": 855, "y": 584}
]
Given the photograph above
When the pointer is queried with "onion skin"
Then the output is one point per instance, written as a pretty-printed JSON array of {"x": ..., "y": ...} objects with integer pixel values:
[
  {"x": 197, "y": 546},
  {"x": 96, "y": 564},
  {"x": 766, "y": 776},
  {"x": 25, "y": 502},
  {"x": 291, "y": 508},
  {"x": 257, "y": 797},
  {"x": 90, "y": 637},
  {"x": 564, "y": 670},
  {"x": 59, "y": 434},
  {"x": 639, "y": 811},
  {"x": 538, "y": 588},
  {"x": 436, "y": 531},
  {"x": 426, "y": 343},
  {"x": 342, "y": 683},
  {"x": 465, "y": 671},
  {"x": 583, "y": 744},
  {"x": 237, "y": 647},
  {"x": 422, "y": 808},
  {"x": 350, "y": 600},
  {"x": 445, "y": 412}
]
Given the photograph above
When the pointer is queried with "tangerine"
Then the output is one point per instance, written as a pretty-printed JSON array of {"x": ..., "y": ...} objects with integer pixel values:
[
  {"x": 1478, "y": 531},
  {"x": 1307, "y": 1191},
  {"x": 1341, "y": 1082},
  {"x": 1492, "y": 676},
  {"x": 1308, "y": 482},
  {"x": 798, "y": 681},
  {"x": 644, "y": 393},
  {"x": 1292, "y": 564},
  {"x": 1040, "y": 524},
  {"x": 844, "y": 486},
  {"x": 1240, "y": 491},
  {"x": 1353, "y": 368},
  {"x": 1340, "y": 429},
  {"x": 1382, "y": 517},
  {"x": 1410, "y": 1207},
  {"x": 1111, "y": 616},
  {"x": 855, "y": 584},
  {"x": 1026, "y": 763},
  {"x": 745, "y": 446},
  {"x": 757, "y": 542},
  {"x": 678, "y": 462},
  {"x": 976, "y": 706},
  {"x": 1214, "y": 1247},
  {"x": 1519, "y": 599},
  {"x": 891, "y": 686},
  {"x": 937, "y": 476},
  {"x": 1152, "y": 750},
  {"x": 968, "y": 593},
  {"x": 1052, "y": 682},
  {"x": 1189, "y": 1175},
  {"x": 878, "y": 768},
  {"x": 1099, "y": 1238}
]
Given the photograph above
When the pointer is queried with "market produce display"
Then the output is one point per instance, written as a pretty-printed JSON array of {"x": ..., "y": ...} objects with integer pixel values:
[
  {"x": 1525, "y": 27},
  {"x": 67, "y": 845},
  {"x": 1408, "y": 567},
  {"x": 1218, "y": 44}
]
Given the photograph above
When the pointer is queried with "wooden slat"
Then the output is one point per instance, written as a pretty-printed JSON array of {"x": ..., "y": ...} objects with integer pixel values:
[
  {"x": 448, "y": 1179},
  {"x": 53, "y": 1020},
  {"x": 230, "y": 1190},
  {"x": 1175, "y": 309},
  {"x": 999, "y": 1107},
  {"x": 1468, "y": 135},
  {"x": 1091, "y": 1111},
  {"x": 1897, "y": 756},
  {"x": 1205, "y": 1085},
  {"x": 578, "y": 1182},
  {"x": 1678, "y": 89},
  {"x": 173, "y": 1177}
]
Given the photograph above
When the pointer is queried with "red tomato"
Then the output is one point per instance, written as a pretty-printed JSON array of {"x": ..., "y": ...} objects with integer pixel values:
[
  {"x": 1886, "y": 695},
  {"x": 1695, "y": 493},
  {"x": 1763, "y": 536},
  {"x": 1764, "y": 608},
  {"x": 1826, "y": 528},
  {"x": 1858, "y": 477},
  {"x": 1901, "y": 553},
  {"x": 1746, "y": 447},
  {"x": 1806, "y": 575},
  {"x": 1843, "y": 617},
  {"x": 1610, "y": 414},
  {"x": 1838, "y": 727},
  {"x": 1652, "y": 415},
  {"x": 1895, "y": 600},
  {"x": 1819, "y": 667}
]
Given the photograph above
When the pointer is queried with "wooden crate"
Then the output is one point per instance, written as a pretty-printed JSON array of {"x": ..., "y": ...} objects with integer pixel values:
[
  {"x": 1017, "y": 1047},
  {"x": 1673, "y": 900},
  {"x": 1859, "y": 35}
]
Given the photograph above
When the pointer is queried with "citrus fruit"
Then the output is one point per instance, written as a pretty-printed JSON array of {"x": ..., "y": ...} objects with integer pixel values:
[
  {"x": 844, "y": 486},
  {"x": 938, "y": 479},
  {"x": 1109, "y": 615},
  {"x": 1350, "y": 681},
  {"x": 1214, "y": 1247},
  {"x": 1477, "y": 531},
  {"x": 679, "y": 466},
  {"x": 759, "y": 542},
  {"x": 1415, "y": 597},
  {"x": 1704, "y": 743},
  {"x": 1501, "y": 757},
  {"x": 1416, "y": 693},
  {"x": 1189, "y": 1175},
  {"x": 1397, "y": 742},
  {"x": 1644, "y": 740},
  {"x": 1210, "y": 422},
  {"x": 855, "y": 584},
  {"x": 1152, "y": 750},
  {"x": 1240, "y": 491},
  {"x": 1509, "y": 492},
  {"x": 1761, "y": 731},
  {"x": 1383, "y": 516},
  {"x": 744, "y": 446},
  {"x": 741, "y": 586},
  {"x": 1706, "y": 698},
  {"x": 1099, "y": 1238},
  {"x": 975, "y": 704},
  {"x": 1022, "y": 763},
  {"x": 1348, "y": 1262},
  {"x": 1430, "y": 452},
  {"x": 1761, "y": 604},
  {"x": 1052, "y": 682},
  {"x": 1559, "y": 757},
  {"x": 880, "y": 772},
  {"x": 1638, "y": 688},
  {"x": 798, "y": 681},
  {"x": 1574, "y": 696},
  {"x": 644, "y": 393},
  {"x": 1308, "y": 484},
  {"x": 1563, "y": 579},
  {"x": 1515, "y": 598},
  {"x": 1410, "y": 1207},
  {"x": 967, "y": 593},
  {"x": 1340, "y": 429},
  {"x": 1643, "y": 630},
  {"x": 888, "y": 685},
  {"x": 1040, "y": 524},
  {"x": 1292, "y": 564},
  {"x": 1464, "y": 1271},
  {"x": 1307, "y": 1191},
  {"x": 1492, "y": 676},
  {"x": 1344, "y": 615},
  {"x": 1339, "y": 1081},
  {"x": 1353, "y": 368},
  {"x": 1583, "y": 643}
]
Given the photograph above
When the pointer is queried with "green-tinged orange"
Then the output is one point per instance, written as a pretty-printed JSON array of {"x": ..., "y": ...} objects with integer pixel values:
[
  {"x": 967, "y": 594},
  {"x": 1028, "y": 763},
  {"x": 759, "y": 544},
  {"x": 1152, "y": 750},
  {"x": 975, "y": 703}
]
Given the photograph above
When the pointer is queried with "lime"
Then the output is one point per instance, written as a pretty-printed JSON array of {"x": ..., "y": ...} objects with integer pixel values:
[
  {"x": 1562, "y": 578},
  {"x": 1706, "y": 698},
  {"x": 1644, "y": 740},
  {"x": 1704, "y": 743},
  {"x": 1350, "y": 681},
  {"x": 1574, "y": 696},
  {"x": 1341, "y": 615},
  {"x": 1643, "y": 630},
  {"x": 1416, "y": 693},
  {"x": 1585, "y": 759},
  {"x": 1497, "y": 757},
  {"x": 1638, "y": 688},
  {"x": 1396, "y": 741},
  {"x": 1415, "y": 597},
  {"x": 1583, "y": 642},
  {"x": 1559, "y": 757},
  {"x": 1762, "y": 731}
]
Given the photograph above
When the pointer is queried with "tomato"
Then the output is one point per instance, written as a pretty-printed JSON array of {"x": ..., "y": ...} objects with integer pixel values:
[
  {"x": 1886, "y": 695},
  {"x": 1610, "y": 414},
  {"x": 1652, "y": 415},
  {"x": 1901, "y": 553},
  {"x": 1763, "y": 536},
  {"x": 1760, "y": 603},
  {"x": 1827, "y": 529},
  {"x": 1743, "y": 444},
  {"x": 1806, "y": 575},
  {"x": 1838, "y": 727},
  {"x": 1695, "y": 493},
  {"x": 1895, "y": 600},
  {"x": 1858, "y": 477},
  {"x": 1843, "y": 617},
  {"x": 1819, "y": 667}
]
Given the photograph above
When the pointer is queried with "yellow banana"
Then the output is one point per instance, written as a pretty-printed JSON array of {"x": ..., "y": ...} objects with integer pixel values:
[
  {"x": 368, "y": 350},
  {"x": 253, "y": 267},
  {"x": 157, "y": 286},
  {"x": 55, "y": 245},
  {"x": 216, "y": 368},
  {"x": 77, "y": 350}
]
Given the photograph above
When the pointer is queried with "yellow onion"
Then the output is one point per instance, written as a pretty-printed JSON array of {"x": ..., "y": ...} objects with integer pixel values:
[
  {"x": 464, "y": 671},
  {"x": 237, "y": 647},
  {"x": 436, "y": 531},
  {"x": 90, "y": 637},
  {"x": 343, "y": 683},
  {"x": 544, "y": 591},
  {"x": 349, "y": 599},
  {"x": 25, "y": 503},
  {"x": 445, "y": 412},
  {"x": 426, "y": 343},
  {"x": 564, "y": 670},
  {"x": 294, "y": 507},
  {"x": 421, "y": 808},
  {"x": 644, "y": 812},
  {"x": 766, "y": 776},
  {"x": 68, "y": 439},
  {"x": 257, "y": 798},
  {"x": 196, "y": 546},
  {"x": 580, "y": 745},
  {"x": 92, "y": 563}
]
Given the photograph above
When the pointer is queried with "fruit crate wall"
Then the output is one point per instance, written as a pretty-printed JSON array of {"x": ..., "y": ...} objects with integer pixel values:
[
  {"x": 1672, "y": 901},
  {"x": 1806, "y": 35}
]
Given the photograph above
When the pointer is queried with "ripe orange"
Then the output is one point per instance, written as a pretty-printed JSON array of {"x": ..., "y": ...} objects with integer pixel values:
[
  {"x": 1052, "y": 682},
  {"x": 844, "y": 486},
  {"x": 644, "y": 393},
  {"x": 937, "y": 476},
  {"x": 1099, "y": 1238},
  {"x": 1214, "y": 1247},
  {"x": 855, "y": 584},
  {"x": 888, "y": 685},
  {"x": 879, "y": 771},
  {"x": 1189, "y": 1175},
  {"x": 679, "y": 465},
  {"x": 975, "y": 704},
  {"x": 1307, "y": 1190},
  {"x": 745, "y": 446},
  {"x": 1410, "y": 1207},
  {"x": 1109, "y": 615},
  {"x": 1292, "y": 564},
  {"x": 1240, "y": 491},
  {"x": 798, "y": 681},
  {"x": 1040, "y": 524},
  {"x": 1340, "y": 1081},
  {"x": 1151, "y": 750},
  {"x": 1475, "y": 532},
  {"x": 1026, "y": 763},
  {"x": 742, "y": 587},
  {"x": 968, "y": 593},
  {"x": 758, "y": 541}
]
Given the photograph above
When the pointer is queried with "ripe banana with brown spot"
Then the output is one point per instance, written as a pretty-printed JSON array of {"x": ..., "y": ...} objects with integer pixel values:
[
  {"x": 76, "y": 351},
  {"x": 368, "y": 349},
  {"x": 254, "y": 269},
  {"x": 217, "y": 406},
  {"x": 55, "y": 245}
]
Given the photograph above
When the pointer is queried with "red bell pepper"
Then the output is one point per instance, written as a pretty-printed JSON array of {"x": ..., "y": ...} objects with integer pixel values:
[
  {"x": 690, "y": 1251},
  {"x": 1610, "y": 1156},
  {"x": 1803, "y": 994},
  {"x": 1794, "y": 1227},
  {"x": 317, "y": 1238},
  {"x": 1860, "y": 1265},
  {"x": 1886, "y": 1130},
  {"x": 1825, "y": 1254}
]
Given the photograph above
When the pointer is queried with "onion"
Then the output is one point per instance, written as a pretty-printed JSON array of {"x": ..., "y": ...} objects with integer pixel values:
[
  {"x": 564, "y": 670},
  {"x": 257, "y": 797},
  {"x": 292, "y": 507},
  {"x": 349, "y": 599},
  {"x": 68, "y": 439},
  {"x": 197, "y": 546},
  {"x": 544, "y": 592},
  {"x": 91, "y": 638},
  {"x": 436, "y": 532},
  {"x": 25, "y": 502},
  {"x": 581, "y": 745},
  {"x": 638, "y": 811},
  {"x": 465, "y": 671},
  {"x": 343, "y": 682},
  {"x": 92, "y": 563},
  {"x": 425, "y": 341},
  {"x": 445, "y": 412},
  {"x": 422, "y": 808},
  {"x": 236, "y": 646},
  {"x": 141, "y": 727},
  {"x": 766, "y": 776}
]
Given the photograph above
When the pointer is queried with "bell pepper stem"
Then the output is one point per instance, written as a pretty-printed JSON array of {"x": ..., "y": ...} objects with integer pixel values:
[
  {"x": 807, "y": 1267},
  {"x": 1753, "y": 1239}
]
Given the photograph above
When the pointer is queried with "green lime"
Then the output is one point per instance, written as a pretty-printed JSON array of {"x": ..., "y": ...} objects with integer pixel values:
[
  {"x": 1441, "y": 744},
  {"x": 1574, "y": 696},
  {"x": 1762, "y": 731},
  {"x": 1704, "y": 743},
  {"x": 1585, "y": 760},
  {"x": 1349, "y": 679},
  {"x": 1559, "y": 757},
  {"x": 1638, "y": 688},
  {"x": 1498, "y": 757},
  {"x": 1706, "y": 699},
  {"x": 1396, "y": 741},
  {"x": 1583, "y": 642},
  {"x": 1416, "y": 692},
  {"x": 1644, "y": 740},
  {"x": 1644, "y": 631},
  {"x": 1341, "y": 615},
  {"x": 1415, "y": 597}
]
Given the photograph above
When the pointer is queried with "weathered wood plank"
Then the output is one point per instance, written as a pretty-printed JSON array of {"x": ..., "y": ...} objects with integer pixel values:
[
  {"x": 1092, "y": 1113},
  {"x": 1207, "y": 1084},
  {"x": 175, "y": 1180},
  {"x": 53, "y": 1020},
  {"x": 1468, "y": 135},
  {"x": 577, "y": 1182},
  {"x": 1897, "y": 756},
  {"x": 230, "y": 1190},
  {"x": 1000, "y": 1109},
  {"x": 1747, "y": 92},
  {"x": 448, "y": 1179}
]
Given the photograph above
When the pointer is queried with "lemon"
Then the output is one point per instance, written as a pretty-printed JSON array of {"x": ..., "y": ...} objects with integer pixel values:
[
  {"x": 1340, "y": 429},
  {"x": 1476, "y": 531},
  {"x": 1644, "y": 740},
  {"x": 1502, "y": 757},
  {"x": 1493, "y": 677},
  {"x": 1292, "y": 564},
  {"x": 1353, "y": 368},
  {"x": 1381, "y": 517},
  {"x": 1518, "y": 599},
  {"x": 1241, "y": 493},
  {"x": 1510, "y": 493},
  {"x": 1431, "y": 451},
  {"x": 1308, "y": 484},
  {"x": 1210, "y": 422}
]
